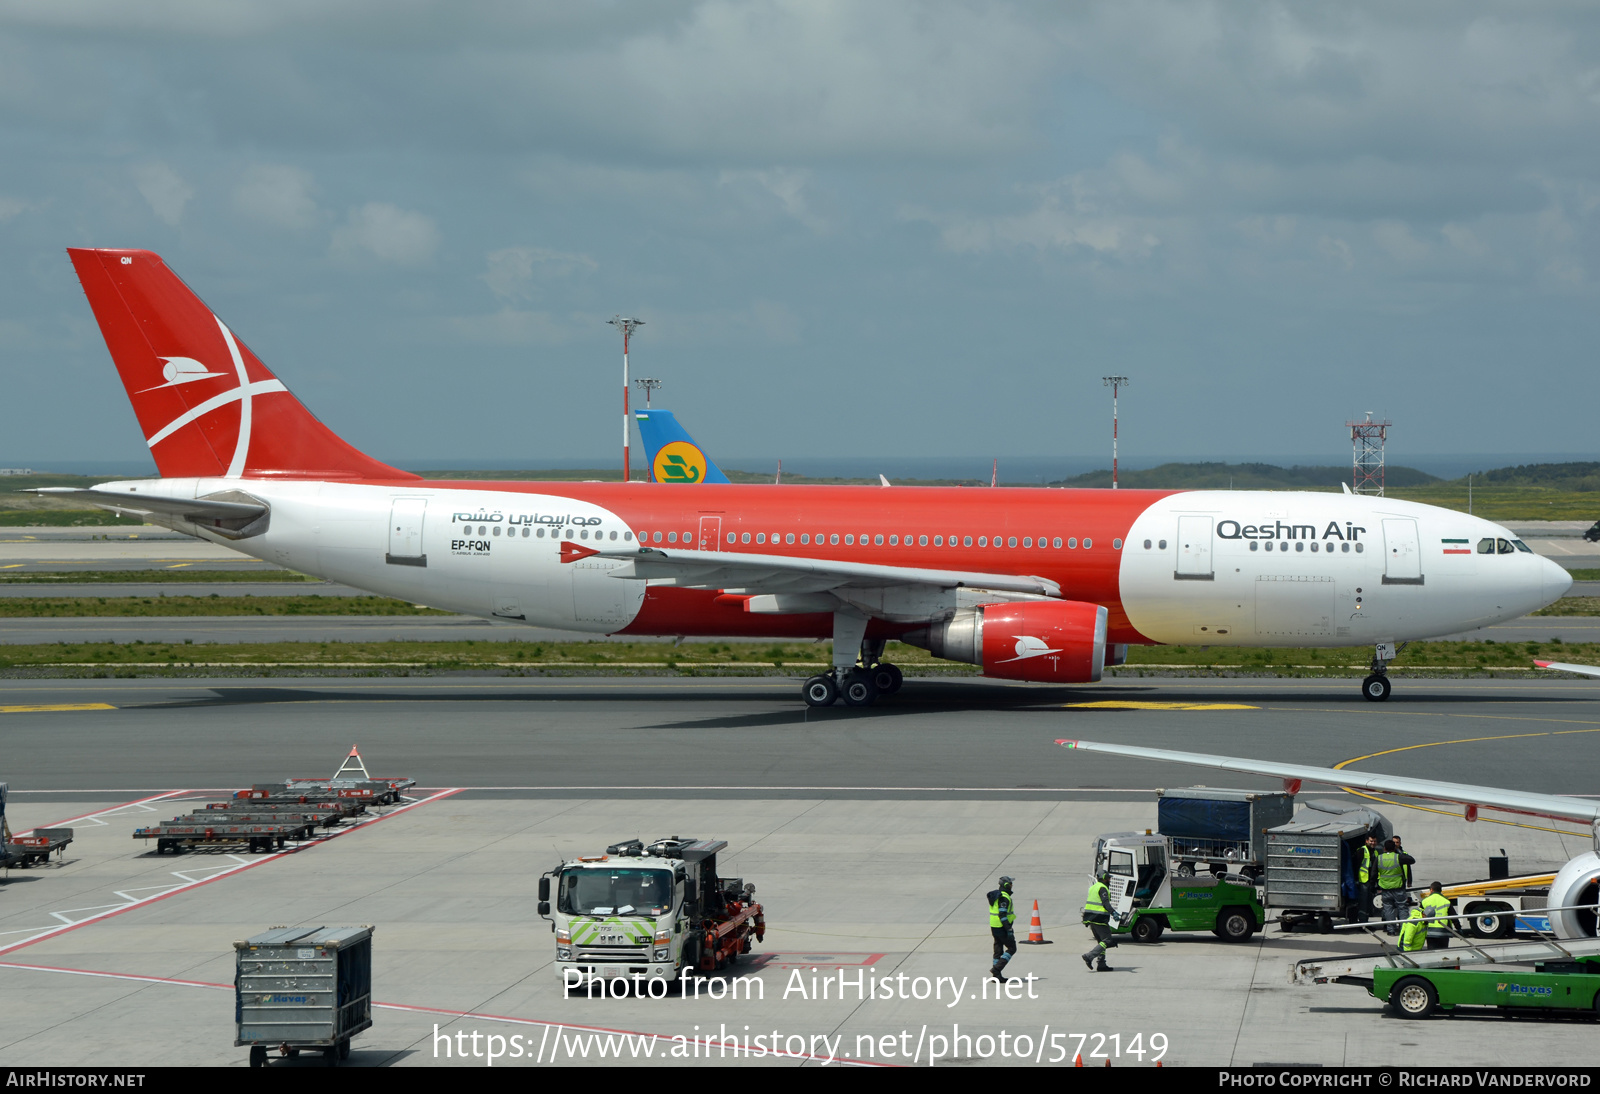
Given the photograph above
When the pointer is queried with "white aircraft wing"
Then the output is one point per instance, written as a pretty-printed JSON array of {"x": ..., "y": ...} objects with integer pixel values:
[
  {"x": 1549, "y": 806},
  {"x": 787, "y": 574},
  {"x": 1562, "y": 666},
  {"x": 194, "y": 510}
]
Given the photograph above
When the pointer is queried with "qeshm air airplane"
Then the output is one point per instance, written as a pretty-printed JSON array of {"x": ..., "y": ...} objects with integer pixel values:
[{"x": 1032, "y": 584}]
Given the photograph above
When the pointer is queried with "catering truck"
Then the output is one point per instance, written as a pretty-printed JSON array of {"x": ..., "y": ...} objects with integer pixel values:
[{"x": 648, "y": 911}]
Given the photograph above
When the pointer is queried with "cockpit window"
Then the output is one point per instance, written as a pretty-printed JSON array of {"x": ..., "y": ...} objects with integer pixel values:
[
  {"x": 1503, "y": 546},
  {"x": 1521, "y": 546},
  {"x": 1486, "y": 546}
]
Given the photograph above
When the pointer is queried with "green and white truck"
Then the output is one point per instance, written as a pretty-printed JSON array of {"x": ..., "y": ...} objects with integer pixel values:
[{"x": 644, "y": 912}]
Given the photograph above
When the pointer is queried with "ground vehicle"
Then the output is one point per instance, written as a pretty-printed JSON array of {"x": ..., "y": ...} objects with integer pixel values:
[
  {"x": 649, "y": 911},
  {"x": 299, "y": 988},
  {"x": 1593, "y": 534},
  {"x": 1544, "y": 974},
  {"x": 1215, "y": 830},
  {"x": 1149, "y": 899},
  {"x": 1312, "y": 862}
]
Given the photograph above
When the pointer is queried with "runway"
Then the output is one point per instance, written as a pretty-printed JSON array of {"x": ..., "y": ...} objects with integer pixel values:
[{"x": 753, "y": 737}]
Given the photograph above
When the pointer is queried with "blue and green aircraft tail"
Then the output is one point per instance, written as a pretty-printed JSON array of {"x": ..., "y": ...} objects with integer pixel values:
[{"x": 672, "y": 454}]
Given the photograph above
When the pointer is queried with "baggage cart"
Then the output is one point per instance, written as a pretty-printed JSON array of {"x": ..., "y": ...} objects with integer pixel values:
[
  {"x": 303, "y": 989},
  {"x": 1217, "y": 830}
]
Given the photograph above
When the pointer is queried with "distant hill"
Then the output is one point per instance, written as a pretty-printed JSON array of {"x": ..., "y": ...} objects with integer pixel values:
[
  {"x": 1581, "y": 477},
  {"x": 1241, "y": 476}
]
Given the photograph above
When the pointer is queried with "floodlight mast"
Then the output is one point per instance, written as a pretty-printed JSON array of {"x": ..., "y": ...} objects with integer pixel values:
[
  {"x": 649, "y": 383},
  {"x": 626, "y": 326},
  {"x": 1114, "y": 383}
]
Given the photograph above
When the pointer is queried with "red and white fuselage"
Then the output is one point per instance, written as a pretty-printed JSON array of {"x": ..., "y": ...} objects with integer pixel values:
[{"x": 1030, "y": 583}]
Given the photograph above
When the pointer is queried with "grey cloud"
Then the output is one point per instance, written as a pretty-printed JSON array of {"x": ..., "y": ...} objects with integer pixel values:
[
  {"x": 386, "y": 232},
  {"x": 512, "y": 270},
  {"x": 277, "y": 194},
  {"x": 163, "y": 189}
]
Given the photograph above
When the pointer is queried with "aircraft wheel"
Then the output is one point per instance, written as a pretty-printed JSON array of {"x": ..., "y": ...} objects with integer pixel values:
[
  {"x": 1491, "y": 921},
  {"x": 859, "y": 690},
  {"x": 1414, "y": 997},
  {"x": 1376, "y": 688},
  {"x": 820, "y": 691},
  {"x": 887, "y": 679}
]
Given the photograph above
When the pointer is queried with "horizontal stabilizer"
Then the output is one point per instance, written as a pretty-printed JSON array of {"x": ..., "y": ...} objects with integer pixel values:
[
  {"x": 227, "y": 515},
  {"x": 1562, "y": 666}
]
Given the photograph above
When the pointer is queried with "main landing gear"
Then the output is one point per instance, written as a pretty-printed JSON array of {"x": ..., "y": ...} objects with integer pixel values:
[
  {"x": 1376, "y": 687},
  {"x": 857, "y": 681}
]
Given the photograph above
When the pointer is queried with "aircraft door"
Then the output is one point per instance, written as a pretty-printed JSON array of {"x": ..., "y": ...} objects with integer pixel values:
[
  {"x": 405, "y": 532},
  {"x": 710, "y": 533},
  {"x": 1402, "y": 552},
  {"x": 1194, "y": 549}
]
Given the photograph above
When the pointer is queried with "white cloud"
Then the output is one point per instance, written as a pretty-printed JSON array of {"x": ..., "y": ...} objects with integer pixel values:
[
  {"x": 386, "y": 232},
  {"x": 783, "y": 187},
  {"x": 10, "y": 207},
  {"x": 514, "y": 327},
  {"x": 163, "y": 189},
  {"x": 1338, "y": 250},
  {"x": 277, "y": 194},
  {"x": 511, "y": 271},
  {"x": 1396, "y": 240}
]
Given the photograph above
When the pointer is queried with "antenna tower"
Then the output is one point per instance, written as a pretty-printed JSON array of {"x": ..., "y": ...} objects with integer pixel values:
[{"x": 1367, "y": 440}]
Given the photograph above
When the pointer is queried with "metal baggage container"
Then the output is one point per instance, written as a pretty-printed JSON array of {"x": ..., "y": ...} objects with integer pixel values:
[{"x": 302, "y": 988}]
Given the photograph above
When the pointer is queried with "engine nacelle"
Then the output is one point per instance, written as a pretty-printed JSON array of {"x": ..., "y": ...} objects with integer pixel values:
[
  {"x": 1046, "y": 641},
  {"x": 1578, "y": 882}
]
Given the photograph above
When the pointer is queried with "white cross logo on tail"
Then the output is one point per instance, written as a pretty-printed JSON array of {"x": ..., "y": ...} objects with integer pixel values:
[{"x": 182, "y": 370}]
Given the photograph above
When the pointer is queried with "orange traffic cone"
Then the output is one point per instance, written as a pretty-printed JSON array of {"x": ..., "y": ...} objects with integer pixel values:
[
  {"x": 1036, "y": 930},
  {"x": 1077, "y": 1061}
]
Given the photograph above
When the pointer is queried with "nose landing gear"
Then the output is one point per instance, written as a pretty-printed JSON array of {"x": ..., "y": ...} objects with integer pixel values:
[{"x": 1376, "y": 687}]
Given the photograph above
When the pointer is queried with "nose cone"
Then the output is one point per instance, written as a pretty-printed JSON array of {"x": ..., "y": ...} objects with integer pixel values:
[{"x": 1556, "y": 581}]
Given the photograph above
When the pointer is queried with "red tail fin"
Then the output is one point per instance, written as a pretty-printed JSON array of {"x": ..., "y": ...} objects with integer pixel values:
[{"x": 207, "y": 405}]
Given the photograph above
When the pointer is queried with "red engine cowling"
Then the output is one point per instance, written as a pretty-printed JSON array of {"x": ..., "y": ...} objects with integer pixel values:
[{"x": 1047, "y": 641}]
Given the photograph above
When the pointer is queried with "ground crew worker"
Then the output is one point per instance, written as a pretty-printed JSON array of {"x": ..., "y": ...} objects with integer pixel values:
[
  {"x": 1433, "y": 905},
  {"x": 1392, "y": 863},
  {"x": 1367, "y": 875},
  {"x": 1413, "y": 933},
  {"x": 1097, "y": 917},
  {"x": 1002, "y": 916}
]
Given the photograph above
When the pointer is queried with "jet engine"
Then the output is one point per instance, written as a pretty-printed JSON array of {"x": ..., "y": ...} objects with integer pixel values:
[
  {"x": 1578, "y": 882},
  {"x": 1047, "y": 641}
]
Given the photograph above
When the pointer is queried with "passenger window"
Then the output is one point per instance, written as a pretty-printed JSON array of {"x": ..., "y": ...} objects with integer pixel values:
[
  {"x": 1359, "y": 548},
  {"x": 732, "y": 537},
  {"x": 627, "y": 537},
  {"x": 1486, "y": 546},
  {"x": 1088, "y": 543},
  {"x": 744, "y": 537},
  {"x": 789, "y": 539},
  {"x": 1504, "y": 547},
  {"x": 1116, "y": 545},
  {"x": 1254, "y": 545},
  {"x": 966, "y": 541},
  {"x": 1011, "y": 541},
  {"x": 1027, "y": 541},
  {"x": 569, "y": 533},
  {"x": 497, "y": 531},
  {"x": 877, "y": 541},
  {"x": 526, "y": 534},
  {"x": 541, "y": 533},
  {"x": 1147, "y": 545},
  {"x": 849, "y": 540},
  {"x": 922, "y": 541},
  {"x": 581, "y": 535},
  {"x": 805, "y": 538},
  {"x": 1056, "y": 543},
  {"x": 983, "y": 541},
  {"x": 672, "y": 537},
  {"x": 1072, "y": 543},
  {"x": 1163, "y": 545},
  {"x": 938, "y": 541},
  {"x": 1300, "y": 546},
  {"x": 894, "y": 541},
  {"x": 834, "y": 539},
  {"x": 1344, "y": 548},
  {"x": 1313, "y": 548},
  {"x": 482, "y": 531}
]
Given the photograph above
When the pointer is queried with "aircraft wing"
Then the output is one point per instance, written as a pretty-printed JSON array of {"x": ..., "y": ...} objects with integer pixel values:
[
  {"x": 194, "y": 510},
  {"x": 752, "y": 573},
  {"x": 1562, "y": 666},
  {"x": 1549, "y": 806}
]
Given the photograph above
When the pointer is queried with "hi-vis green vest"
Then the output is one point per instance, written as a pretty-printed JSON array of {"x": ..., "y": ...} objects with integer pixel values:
[
  {"x": 1436, "y": 904},
  {"x": 1391, "y": 875},
  {"x": 1001, "y": 912},
  {"x": 1367, "y": 856},
  {"x": 1413, "y": 932},
  {"x": 1095, "y": 903}
]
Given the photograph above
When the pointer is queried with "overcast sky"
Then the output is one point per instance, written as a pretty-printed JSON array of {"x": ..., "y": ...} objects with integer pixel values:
[{"x": 851, "y": 228}]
